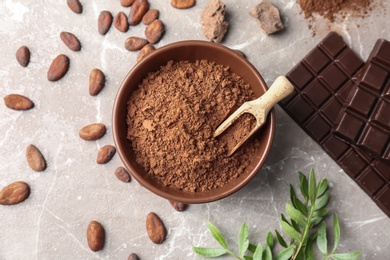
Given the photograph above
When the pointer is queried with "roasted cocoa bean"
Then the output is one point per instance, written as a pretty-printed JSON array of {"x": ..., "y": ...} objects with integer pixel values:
[
  {"x": 35, "y": 159},
  {"x": 126, "y": 3},
  {"x": 183, "y": 4},
  {"x": 23, "y": 56},
  {"x": 58, "y": 68},
  {"x": 18, "y": 102},
  {"x": 92, "y": 132},
  {"x": 14, "y": 193},
  {"x": 122, "y": 174},
  {"x": 150, "y": 16},
  {"x": 97, "y": 80},
  {"x": 146, "y": 50},
  {"x": 133, "y": 256},
  {"x": 75, "y": 6},
  {"x": 104, "y": 22},
  {"x": 154, "y": 31},
  {"x": 105, "y": 154},
  {"x": 178, "y": 205},
  {"x": 120, "y": 22},
  {"x": 71, "y": 41},
  {"x": 155, "y": 228},
  {"x": 95, "y": 236},
  {"x": 137, "y": 11},
  {"x": 134, "y": 43}
]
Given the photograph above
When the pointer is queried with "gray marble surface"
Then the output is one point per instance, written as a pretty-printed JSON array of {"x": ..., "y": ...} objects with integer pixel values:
[{"x": 73, "y": 190}]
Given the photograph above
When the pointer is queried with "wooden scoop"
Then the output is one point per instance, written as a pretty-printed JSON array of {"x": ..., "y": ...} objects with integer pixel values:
[{"x": 259, "y": 108}]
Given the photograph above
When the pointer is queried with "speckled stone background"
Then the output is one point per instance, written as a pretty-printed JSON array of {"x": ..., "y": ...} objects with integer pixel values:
[{"x": 74, "y": 190}]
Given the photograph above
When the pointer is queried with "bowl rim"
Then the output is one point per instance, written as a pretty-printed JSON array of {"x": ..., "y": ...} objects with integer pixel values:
[{"x": 154, "y": 189}]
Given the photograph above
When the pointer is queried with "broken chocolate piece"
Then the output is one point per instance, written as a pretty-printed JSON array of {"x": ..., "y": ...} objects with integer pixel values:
[
  {"x": 214, "y": 25},
  {"x": 268, "y": 17},
  {"x": 323, "y": 81}
]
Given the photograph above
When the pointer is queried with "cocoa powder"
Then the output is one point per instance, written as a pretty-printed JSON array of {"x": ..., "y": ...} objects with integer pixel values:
[
  {"x": 330, "y": 8},
  {"x": 171, "y": 119}
]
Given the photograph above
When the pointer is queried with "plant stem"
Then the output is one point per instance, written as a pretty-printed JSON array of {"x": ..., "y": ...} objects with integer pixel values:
[
  {"x": 233, "y": 254},
  {"x": 305, "y": 232}
]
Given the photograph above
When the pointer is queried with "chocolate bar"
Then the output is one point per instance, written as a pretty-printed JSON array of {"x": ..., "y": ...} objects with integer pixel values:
[
  {"x": 365, "y": 119},
  {"x": 322, "y": 81}
]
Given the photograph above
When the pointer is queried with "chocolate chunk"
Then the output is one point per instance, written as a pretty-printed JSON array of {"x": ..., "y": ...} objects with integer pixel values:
[
  {"x": 267, "y": 15},
  {"x": 323, "y": 81},
  {"x": 214, "y": 24},
  {"x": 364, "y": 120}
]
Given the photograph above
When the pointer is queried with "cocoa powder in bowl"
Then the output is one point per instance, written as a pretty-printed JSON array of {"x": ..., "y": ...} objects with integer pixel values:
[{"x": 180, "y": 53}]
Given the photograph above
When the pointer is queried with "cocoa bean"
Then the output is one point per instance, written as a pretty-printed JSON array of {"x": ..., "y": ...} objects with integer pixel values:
[
  {"x": 75, "y": 6},
  {"x": 58, "y": 68},
  {"x": 120, "y": 22},
  {"x": 92, "y": 132},
  {"x": 126, "y": 3},
  {"x": 178, "y": 205},
  {"x": 146, "y": 50},
  {"x": 134, "y": 43},
  {"x": 71, "y": 41},
  {"x": 35, "y": 159},
  {"x": 105, "y": 154},
  {"x": 154, "y": 31},
  {"x": 155, "y": 228},
  {"x": 95, "y": 236},
  {"x": 18, "y": 102},
  {"x": 122, "y": 174},
  {"x": 23, "y": 56},
  {"x": 183, "y": 4},
  {"x": 150, "y": 16},
  {"x": 104, "y": 22},
  {"x": 133, "y": 256},
  {"x": 137, "y": 11},
  {"x": 97, "y": 80},
  {"x": 14, "y": 193}
]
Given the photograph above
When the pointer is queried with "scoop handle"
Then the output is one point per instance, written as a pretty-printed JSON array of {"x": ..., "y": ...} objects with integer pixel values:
[{"x": 280, "y": 89}]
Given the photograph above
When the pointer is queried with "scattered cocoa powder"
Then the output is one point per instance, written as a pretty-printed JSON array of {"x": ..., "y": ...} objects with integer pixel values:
[
  {"x": 171, "y": 119},
  {"x": 329, "y": 9}
]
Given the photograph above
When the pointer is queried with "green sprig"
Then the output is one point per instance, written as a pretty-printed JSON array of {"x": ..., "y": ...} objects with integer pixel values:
[{"x": 305, "y": 227}]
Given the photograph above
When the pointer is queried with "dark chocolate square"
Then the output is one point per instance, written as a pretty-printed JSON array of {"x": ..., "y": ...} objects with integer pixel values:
[
  {"x": 319, "y": 128},
  {"x": 353, "y": 163},
  {"x": 370, "y": 181},
  {"x": 374, "y": 139},
  {"x": 317, "y": 93},
  {"x": 333, "y": 77},
  {"x": 362, "y": 102},
  {"x": 350, "y": 127},
  {"x": 335, "y": 147},
  {"x": 301, "y": 76},
  {"x": 374, "y": 78},
  {"x": 317, "y": 60},
  {"x": 350, "y": 62},
  {"x": 301, "y": 109}
]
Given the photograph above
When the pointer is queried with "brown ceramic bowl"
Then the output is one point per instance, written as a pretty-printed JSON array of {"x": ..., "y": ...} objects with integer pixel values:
[{"x": 189, "y": 50}]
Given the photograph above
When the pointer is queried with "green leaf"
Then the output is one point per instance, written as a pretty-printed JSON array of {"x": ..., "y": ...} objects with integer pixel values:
[
  {"x": 295, "y": 214},
  {"x": 243, "y": 241},
  {"x": 209, "y": 252},
  {"x": 251, "y": 248},
  {"x": 336, "y": 231},
  {"x": 270, "y": 240},
  {"x": 298, "y": 204},
  {"x": 315, "y": 221},
  {"x": 322, "y": 242},
  {"x": 295, "y": 226},
  {"x": 290, "y": 231},
  {"x": 322, "y": 201},
  {"x": 280, "y": 239},
  {"x": 309, "y": 250},
  {"x": 217, "y": 235},
  {"x": 312, "y": 187},
  {"x": 303, "y": 185},
  {"x": 322, "y": 187},
  {"x": 258, "y": 254},
  {"x": 286, "y": 253},
  {"x": 284, "y": 219},
  {"x": 348, "y": 256},
  {"x": 267, "y": 254},
  {"x": 248, "y": 257},
  {"x": 321, "y": 213}
]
